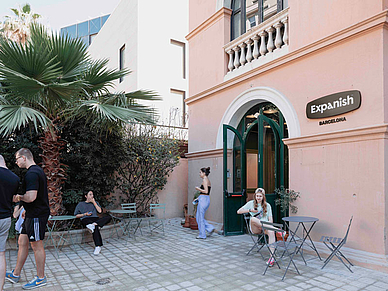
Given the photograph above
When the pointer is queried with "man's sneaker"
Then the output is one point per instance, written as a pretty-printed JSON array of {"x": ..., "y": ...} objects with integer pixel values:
[
  {"x": 35, "y": 283},
  {"x": 271, "y": 262},
  {"x": 97, "y": 250},
  {"x": 11, "y": 277},
  {"x": 90, "y": 227}
]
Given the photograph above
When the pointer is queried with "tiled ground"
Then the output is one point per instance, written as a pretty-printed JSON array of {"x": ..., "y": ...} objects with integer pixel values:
[{"x": 177, "y": 261}]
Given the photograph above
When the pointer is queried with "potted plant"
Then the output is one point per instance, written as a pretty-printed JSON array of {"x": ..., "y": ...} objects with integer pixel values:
[
  {"x": 286, "y": 198},
  {"x": 193, "y": 221}
]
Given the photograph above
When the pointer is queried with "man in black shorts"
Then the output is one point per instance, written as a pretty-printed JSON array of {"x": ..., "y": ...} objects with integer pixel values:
[
  {"x": 9, "y": 184},
  {"x": 35, "y": 202}
]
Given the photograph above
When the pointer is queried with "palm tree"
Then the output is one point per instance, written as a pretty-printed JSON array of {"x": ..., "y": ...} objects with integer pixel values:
[
  {"x": 17, "y": 27},
  {"x": 50, "y": 80}
]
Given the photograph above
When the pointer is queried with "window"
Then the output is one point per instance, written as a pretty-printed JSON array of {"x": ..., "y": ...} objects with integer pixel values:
[
  {"x": 255, "y": 11},
  {"x": 83, "y": 29},
  {"x": 91, "y": 38},
  {"x": 104, "y": 19},
  {"x": 178, "y": 114},
  {"x": 179, "y": 57},
  {"x": 122, "y": 60},
  {"x": 71, "y": 31},
  {"x": 94, "y": 25}
]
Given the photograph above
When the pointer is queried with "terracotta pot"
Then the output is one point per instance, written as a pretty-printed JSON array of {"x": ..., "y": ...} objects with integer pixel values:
[
  {"x": 193, "y": 223},
  {"x": 279, "y": 236},
  {"x": 187, "y": 221}
]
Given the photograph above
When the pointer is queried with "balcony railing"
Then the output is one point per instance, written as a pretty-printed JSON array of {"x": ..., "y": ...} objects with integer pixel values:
[{"x": 259, "y": 45}]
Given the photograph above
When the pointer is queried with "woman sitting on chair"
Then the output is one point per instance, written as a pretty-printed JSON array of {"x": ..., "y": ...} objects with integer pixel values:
[
  {"x": 87, "y": 210},
  {"x": 259, "y": 210}
]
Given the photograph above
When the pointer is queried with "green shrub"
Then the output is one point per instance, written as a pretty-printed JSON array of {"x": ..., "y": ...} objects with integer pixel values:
[{"x": 151, "y": 157}]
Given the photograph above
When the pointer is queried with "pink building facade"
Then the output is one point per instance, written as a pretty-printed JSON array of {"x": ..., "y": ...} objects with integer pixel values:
[{"x": 256, "y": 71}]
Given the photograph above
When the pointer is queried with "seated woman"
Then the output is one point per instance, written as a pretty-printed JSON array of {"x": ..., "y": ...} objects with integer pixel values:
[
  {"x": 87, "y": 211},
  {"x": 259, "y": 210}
]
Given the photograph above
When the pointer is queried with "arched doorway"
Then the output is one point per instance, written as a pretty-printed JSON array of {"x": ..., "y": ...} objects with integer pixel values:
[{"x": 254, "y": 155}]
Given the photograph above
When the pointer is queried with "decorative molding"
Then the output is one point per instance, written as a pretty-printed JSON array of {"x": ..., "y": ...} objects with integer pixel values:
[
  {"x": 375, "y": 132},
  {"x": 377, "y": 21},
  {"x": 206, "y": 154},
  {"x": 210, "y": 21}
]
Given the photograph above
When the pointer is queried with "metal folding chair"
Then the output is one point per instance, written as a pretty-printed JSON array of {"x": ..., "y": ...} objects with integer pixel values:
[
  {"x": 281, "y": 248},
  {"x": 334, "y": 245},
  {"x": 132, "y": 218},
  {"x": 258, "y": 239},
  {"x": 157, "y": 216}
]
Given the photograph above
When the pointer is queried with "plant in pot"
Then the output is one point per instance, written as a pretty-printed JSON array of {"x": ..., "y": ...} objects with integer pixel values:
[
  {"x": 193, "y": 221},
  {"x": 286, "y": 198}
]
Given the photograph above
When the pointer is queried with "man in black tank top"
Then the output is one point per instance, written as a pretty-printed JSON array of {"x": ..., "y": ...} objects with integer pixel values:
[{"x": 35, "y": 202}]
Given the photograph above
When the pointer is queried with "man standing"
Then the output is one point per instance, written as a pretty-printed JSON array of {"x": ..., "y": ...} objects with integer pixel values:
[
  {"x": 9, "y": 184},
  {"x": 35, "y": 202}
]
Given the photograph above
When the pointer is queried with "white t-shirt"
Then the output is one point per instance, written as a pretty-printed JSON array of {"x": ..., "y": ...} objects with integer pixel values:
[{"x": 249, "y": 205}]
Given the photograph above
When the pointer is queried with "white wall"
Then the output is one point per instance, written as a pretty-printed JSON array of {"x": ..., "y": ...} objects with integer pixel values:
[
  {"x": 120, "y": 28},
  {"x": 159, "y": 60},
  {"x": 146, "y": 28}
]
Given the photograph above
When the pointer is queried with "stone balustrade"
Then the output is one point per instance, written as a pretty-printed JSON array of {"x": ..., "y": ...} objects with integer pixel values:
[{"x": 258, "y": 43}]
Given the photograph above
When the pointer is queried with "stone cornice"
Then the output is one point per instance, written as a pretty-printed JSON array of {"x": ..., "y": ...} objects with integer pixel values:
[
  {"x": 375, "y": 132},
  {"x": 210, "y": 21},
  {"x": 377, "y": 21},
  {"x": 206, "y": 154}
]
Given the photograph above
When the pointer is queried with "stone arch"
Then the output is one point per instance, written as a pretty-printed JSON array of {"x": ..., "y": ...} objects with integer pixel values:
[{"x": 253, "y": 96}]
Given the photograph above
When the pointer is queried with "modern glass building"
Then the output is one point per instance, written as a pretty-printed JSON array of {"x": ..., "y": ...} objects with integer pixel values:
[{"x": 86, "y": 30}]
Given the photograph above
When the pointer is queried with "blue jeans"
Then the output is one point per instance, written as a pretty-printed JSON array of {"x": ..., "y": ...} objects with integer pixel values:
[{"x": 203, "y": 225}]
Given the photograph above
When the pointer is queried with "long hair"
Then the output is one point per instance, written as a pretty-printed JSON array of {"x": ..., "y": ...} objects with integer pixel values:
[{"x": 263, "y": 202}]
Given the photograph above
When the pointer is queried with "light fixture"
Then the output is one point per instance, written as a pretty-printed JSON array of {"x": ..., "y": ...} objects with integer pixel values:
[
  {"x": 270, "y": 111},
  {"x": 253, "y": 115},
  {"x": 267, "y": 126}
]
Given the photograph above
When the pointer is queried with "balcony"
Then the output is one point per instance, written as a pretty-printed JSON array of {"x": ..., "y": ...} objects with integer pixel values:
[{"x": 258, "y": 46}]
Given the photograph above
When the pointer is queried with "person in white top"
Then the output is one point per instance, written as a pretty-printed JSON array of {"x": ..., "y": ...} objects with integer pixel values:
[{"x": 259, "y": 210}]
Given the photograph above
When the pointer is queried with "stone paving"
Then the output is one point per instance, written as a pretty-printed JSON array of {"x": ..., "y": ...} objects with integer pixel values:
[{"x": 178, "y": 261}]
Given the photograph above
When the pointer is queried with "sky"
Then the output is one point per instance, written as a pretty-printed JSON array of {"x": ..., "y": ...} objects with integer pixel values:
[{"x": 60, "y": 13}]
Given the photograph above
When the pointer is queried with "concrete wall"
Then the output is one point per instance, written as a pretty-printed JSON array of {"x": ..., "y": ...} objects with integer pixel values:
[{"x": 174, "y": 193}]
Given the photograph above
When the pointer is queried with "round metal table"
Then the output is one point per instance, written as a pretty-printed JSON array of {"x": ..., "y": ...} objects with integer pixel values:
[
  {"x": 301, "y": 220},
  {"x": 61, "y": 234}
]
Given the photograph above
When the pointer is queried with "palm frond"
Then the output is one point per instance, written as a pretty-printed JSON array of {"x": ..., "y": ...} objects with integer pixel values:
[
  {"x": 100, "y": 77},
  {"x": 14, "y": 117}
]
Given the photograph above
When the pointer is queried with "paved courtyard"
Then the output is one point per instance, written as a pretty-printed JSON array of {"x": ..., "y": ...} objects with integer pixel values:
[{"x": 177, "y": 261}]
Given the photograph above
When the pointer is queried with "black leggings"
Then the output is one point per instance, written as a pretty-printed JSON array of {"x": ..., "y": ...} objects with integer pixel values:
[{"x": 100, "y": 223}]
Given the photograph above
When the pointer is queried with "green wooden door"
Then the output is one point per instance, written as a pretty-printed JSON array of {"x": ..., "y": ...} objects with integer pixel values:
[
  {"x": 259, "y": 135},
  {"x": 233, "y": 180}
]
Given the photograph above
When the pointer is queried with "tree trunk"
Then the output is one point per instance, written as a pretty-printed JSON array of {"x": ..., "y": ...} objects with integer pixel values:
[{"x": 51, "y": 146}]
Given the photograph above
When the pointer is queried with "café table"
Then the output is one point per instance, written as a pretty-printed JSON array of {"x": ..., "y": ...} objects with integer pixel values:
[
  {"x": 123, "y": 221},
  {"x": 61, "y": 234},
  {"x": 301, "y": 222}
]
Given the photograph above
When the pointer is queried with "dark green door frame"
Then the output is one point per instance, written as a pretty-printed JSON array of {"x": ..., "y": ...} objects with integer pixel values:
[{"x": 233, "y": 222}]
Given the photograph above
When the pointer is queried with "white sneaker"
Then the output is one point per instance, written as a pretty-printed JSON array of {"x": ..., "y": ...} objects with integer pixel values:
[
  {"x": 91, "y": 227},
  {"x": 97, "y": 250}
]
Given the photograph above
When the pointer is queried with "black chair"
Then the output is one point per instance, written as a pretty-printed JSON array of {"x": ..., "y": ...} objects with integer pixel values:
[
  {"x": 281, "y": 249},
  {"x": 258, "y": 239},
  {"x": 334, "y": 245}
]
